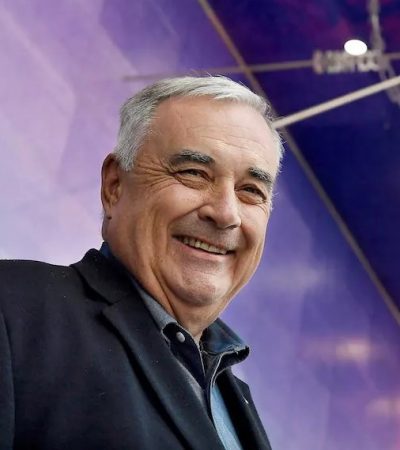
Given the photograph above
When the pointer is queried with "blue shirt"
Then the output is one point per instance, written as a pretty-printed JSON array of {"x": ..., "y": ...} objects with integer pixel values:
[{"x": 219, "y": 349}]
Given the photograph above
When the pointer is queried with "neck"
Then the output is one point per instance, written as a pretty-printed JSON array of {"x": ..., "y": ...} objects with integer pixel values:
[
  {"x": 193, "y": 316},
  {"x": 195, "y": 319}
]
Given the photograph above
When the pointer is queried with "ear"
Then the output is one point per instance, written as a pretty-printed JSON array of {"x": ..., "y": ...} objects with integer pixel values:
[{"x": 110, "y": 184}]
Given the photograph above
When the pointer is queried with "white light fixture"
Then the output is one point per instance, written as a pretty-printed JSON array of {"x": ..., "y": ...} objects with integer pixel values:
[{"x": 355, "y": 47}]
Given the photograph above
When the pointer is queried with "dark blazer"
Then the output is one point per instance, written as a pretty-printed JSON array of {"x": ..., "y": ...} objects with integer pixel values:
[{"x": 83, "y": 366}]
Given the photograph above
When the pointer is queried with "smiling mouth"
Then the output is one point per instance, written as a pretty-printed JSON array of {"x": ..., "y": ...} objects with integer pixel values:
[{"x": 201, "y": 245}]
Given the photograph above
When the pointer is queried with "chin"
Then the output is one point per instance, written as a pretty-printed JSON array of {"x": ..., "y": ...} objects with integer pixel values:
[{"x": 203, "y": 294}]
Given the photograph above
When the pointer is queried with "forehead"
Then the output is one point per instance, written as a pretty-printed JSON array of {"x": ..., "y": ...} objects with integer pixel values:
[{"x": 223, "y": 129}]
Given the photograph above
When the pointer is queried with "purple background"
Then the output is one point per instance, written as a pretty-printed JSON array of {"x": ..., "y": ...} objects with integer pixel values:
[{"x": 324, "y": 366}]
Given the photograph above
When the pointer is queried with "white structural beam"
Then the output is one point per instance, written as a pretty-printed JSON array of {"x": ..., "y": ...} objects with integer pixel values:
[{"x": 336, "y": 102}]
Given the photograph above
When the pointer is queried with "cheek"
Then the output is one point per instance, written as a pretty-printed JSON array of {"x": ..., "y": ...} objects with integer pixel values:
[
  {"x": 134, "y": 221},
  {"x": 254, "y": 226},
  {"x": 254, "y": 234},
  {"x": 179, "y": 201},
  {"x": 164, "y": 210}
]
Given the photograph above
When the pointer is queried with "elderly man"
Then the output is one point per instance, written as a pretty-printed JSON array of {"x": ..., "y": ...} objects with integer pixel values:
[{"x": 124, "y": 349}]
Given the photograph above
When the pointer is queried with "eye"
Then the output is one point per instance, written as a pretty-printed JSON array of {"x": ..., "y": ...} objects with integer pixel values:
[
  {"x": 192, "y": 177},
  {"x": 192, "y": 172},
  {"x": 254, "y": 193}
]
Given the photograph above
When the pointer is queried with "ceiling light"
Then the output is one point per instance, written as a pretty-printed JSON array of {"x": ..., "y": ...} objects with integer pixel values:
[{"x": 355, "y": 47}]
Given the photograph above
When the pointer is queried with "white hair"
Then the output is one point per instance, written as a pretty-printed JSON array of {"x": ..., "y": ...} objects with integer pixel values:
[{"x": 137, "y": 112}]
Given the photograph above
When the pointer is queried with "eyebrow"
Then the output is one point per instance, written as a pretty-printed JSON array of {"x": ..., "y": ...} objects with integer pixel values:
[
  {"x": 263, "y": 176},
  {"x": 191, "y": 156},
  {"x": 187, "y": 155}
]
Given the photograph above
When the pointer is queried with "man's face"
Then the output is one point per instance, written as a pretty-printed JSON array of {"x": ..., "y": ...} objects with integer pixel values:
[{"x": 189, "y": 219}]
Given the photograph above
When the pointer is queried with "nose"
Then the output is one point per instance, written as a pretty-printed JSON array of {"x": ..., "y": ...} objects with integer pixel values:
[{"x": 221, "y": 207}]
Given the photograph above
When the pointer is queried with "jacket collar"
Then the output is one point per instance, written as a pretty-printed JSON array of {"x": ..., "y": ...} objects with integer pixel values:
[{"x": 130, "y": 318}]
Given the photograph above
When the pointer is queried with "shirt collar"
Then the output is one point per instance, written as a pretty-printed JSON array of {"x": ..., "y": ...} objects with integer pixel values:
[
  {"x": 161, "y": 317},
  {"x": 216, "y": 339}
]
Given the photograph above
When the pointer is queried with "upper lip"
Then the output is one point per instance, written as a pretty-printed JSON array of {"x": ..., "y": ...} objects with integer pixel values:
[{"x": 219, "y": 245}]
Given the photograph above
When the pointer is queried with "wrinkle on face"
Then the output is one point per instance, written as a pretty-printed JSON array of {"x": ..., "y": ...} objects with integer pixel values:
[{"x": 161, "y": 200}]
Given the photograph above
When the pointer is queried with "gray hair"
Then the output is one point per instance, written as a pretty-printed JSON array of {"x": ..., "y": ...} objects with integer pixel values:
[{"x": 137, "y": 112}]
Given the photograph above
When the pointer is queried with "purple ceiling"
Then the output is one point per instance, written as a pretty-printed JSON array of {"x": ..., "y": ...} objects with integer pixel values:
[{"x": 324, "y": 366}]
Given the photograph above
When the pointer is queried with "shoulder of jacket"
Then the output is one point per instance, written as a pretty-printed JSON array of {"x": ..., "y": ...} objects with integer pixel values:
[
  {"x": 9, "y": 267},
  {"x": 21, "y": 280}
]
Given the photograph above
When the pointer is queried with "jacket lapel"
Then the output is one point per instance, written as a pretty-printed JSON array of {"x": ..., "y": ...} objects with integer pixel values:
[
  {"x": 133, "y": 322},
  {"x": 243, "y": 412}
]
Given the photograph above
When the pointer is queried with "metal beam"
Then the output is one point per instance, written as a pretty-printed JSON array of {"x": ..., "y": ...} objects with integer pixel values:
[{"x": 336, "y": 102}]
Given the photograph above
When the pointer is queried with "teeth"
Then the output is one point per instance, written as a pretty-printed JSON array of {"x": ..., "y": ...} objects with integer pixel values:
[
  {"x": 196, "y": 243},
  {"x": 213, "y": 249},
  {"x": 205, "y": 246}
]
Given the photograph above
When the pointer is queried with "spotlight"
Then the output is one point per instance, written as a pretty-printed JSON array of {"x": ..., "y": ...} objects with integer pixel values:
[{"x": 355, "y": 47}]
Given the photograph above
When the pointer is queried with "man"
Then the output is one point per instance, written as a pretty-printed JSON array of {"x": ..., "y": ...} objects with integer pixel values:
[{"x": 124, "y": 349}]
